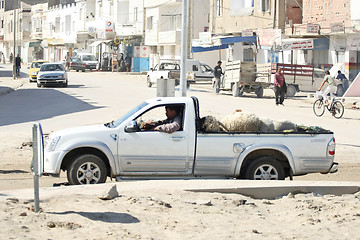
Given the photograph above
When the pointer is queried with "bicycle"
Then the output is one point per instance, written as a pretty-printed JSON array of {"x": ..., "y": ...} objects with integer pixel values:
[{"x": 336, "y": 108}]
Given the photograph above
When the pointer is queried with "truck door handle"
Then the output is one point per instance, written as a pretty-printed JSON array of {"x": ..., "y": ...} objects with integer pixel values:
[{"x": 176, "y": 138}]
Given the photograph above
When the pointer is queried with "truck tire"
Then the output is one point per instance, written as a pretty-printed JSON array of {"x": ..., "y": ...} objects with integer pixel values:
[
  {"x": 265, "y": 168},
  {"x": 291, "y": 91},
  {"x": 87, "y": 169},
  {"x": 235, "y": 90},
  {"x": 149, "y": 84},
  {"x": 259, "y": 92}
]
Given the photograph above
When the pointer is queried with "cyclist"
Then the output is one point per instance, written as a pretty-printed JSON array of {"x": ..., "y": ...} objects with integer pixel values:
[{"x": 331, "y": 88}]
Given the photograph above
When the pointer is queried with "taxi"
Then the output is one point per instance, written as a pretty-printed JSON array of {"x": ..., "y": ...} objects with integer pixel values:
[{"x": 34, "y": 69}]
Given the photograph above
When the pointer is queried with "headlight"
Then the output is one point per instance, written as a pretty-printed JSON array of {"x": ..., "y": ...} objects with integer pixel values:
[
  {"x": 51, "y": 143},
  {"x": 61, "y": 76}
]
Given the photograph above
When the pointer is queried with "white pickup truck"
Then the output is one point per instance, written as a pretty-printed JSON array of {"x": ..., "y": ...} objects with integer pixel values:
[{"x": 122, "y": 149}]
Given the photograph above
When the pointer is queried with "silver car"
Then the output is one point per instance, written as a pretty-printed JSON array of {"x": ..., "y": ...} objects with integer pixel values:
[{"x": 51, "y": 74}]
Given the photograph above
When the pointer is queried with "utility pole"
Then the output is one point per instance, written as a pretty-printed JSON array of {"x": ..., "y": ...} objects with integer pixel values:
[
  {"x": 183, "y": 49},
  {"x": 14, "y": 52}
]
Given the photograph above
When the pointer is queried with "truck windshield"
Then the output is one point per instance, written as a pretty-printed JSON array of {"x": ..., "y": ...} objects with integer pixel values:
[{"x": 116, "y": 123}]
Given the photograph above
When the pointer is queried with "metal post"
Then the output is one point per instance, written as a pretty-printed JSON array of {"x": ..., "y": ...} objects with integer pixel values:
[
  {"x": 35, "y": 168},
  {"x": 183, "y": 50},
  {"x": 14, "y": 50}
]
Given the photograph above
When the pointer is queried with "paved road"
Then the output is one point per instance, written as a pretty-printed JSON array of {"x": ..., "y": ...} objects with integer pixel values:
[{"x": 98, "y": 97}]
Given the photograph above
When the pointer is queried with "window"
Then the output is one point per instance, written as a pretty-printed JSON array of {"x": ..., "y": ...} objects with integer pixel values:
[
  {"x": 219, "y": 8},
  {"x": 264, "y": 5},
  {"x": 156, "y": 116},
  {"x": 149, "y": 23},
  {"x": 195, "y": 68}
]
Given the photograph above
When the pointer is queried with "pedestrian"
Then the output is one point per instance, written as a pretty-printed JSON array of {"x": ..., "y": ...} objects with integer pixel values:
[
  {"x": 217, "y": 74},
  {"x": 11, "y": 58},
  {"x": 280, "y": 85},
  {"x": 345, "y": 82},
  {"x": 331, "y": 88},
  {"x": 18, "y": 64},
  {"x": 67, "y": 61}
]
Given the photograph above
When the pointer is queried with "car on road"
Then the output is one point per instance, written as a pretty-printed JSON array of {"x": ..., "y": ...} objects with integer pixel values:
[
  {"x": 126, "y": 149},
  {"x": 34, "y": 69},
  {"x": 52, "y": 74},
  {"x": 77, "y": 65},
  {"x": 89, "y": 59}
]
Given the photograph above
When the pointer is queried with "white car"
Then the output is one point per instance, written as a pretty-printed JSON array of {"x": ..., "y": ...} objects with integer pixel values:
[{"x": 52, "y": 74}]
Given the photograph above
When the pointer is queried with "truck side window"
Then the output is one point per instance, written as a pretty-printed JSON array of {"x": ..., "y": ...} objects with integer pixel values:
[{"x": 195, "y": 68}]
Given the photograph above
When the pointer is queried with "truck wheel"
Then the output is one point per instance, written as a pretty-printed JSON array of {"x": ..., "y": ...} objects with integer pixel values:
[
  {"x": 291, "y": 91},
  {"x": 149, "y": 84},
  {"x": 235, "y": 90},
  {"x": 87, "y": 169},
  {"x": 265, "y": 168},
  {"x": 259, "y": 92}
]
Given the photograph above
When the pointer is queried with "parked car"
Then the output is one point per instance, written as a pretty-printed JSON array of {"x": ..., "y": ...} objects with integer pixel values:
[
  {"x": 124, "y": 148},
  {"x": 52, "y": 74},
  {"x": 34, "y": 69},
  {"x": 89, "y": 59},
  {"x": 77, "y": 65}
]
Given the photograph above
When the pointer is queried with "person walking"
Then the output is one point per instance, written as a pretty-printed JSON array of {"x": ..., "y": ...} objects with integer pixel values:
[
  {"x": 279, "y": 83},
  {"x": 67, "y": 61},
  {"x": 217, "y": 74},
  {"x": 18, "y": 65}
]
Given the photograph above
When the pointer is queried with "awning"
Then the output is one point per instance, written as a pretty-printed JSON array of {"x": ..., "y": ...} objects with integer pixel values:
[
  {"x": 94, "y": 44},
  {"x": 53, "y": 42},
  {"x": 228, "y": 40},
  {"x": 33, "y": 44},
  {"x": 207, "y": 49},
  {"x": 222, "y": 43}
]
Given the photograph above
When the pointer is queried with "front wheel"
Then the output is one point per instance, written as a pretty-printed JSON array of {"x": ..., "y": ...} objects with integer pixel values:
[
  {"x": 319, "y": 108},
  {"x": 87, "y": 169},
  {"x": 337, "y": 109},
  {"x": 290, "y": 91},
  {"x": 265, "y": 168}
]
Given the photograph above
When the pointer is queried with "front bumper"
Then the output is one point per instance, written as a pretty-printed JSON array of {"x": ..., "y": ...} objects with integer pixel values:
[
  {"x": 52, "y": 81},
  {"x": 51, "y": 162}
]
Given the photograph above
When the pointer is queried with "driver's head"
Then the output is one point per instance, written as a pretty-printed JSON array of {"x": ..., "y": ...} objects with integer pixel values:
[{"x": 172, "y": 111}]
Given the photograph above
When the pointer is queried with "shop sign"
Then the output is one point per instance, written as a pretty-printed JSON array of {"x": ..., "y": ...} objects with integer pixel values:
[
  {"x": 312, "y": 28},
  {"x": 337, "y": 27},
  {"x": 298, "y": 44}
]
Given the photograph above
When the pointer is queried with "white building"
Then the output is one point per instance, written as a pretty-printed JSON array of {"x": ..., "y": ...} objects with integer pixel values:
[{"x": 164, "y": 26}]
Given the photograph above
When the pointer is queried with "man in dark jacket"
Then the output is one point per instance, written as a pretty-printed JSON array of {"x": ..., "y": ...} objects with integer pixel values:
[
  {"x": 217, "y": 74},
  {"x": 18, "y": 65}
]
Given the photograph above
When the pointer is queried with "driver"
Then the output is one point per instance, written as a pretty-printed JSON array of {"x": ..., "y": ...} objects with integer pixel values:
[{"x": 169, "y": 125}]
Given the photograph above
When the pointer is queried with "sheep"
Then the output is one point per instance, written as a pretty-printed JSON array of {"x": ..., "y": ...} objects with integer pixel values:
[{"x": 242, "y": 122}]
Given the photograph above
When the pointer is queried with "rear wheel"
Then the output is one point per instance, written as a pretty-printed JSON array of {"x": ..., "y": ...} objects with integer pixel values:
[
  {"x": 265, "y": 168},
  {"x": 319, "y": 108},
  {"x": 290, "y": 91},
  {"x": 235, "y": 90},
  {"x": 338, "y": 109},
  {"x": 87, "y": 169},
  {"x": 77, "y": 70}
]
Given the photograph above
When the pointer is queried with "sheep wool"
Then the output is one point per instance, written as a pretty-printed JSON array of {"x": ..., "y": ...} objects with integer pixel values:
[
  {"x": 281, "y": 126},
  {"x": 211, "y": 124},
  {"x": 241, "y": 122}
]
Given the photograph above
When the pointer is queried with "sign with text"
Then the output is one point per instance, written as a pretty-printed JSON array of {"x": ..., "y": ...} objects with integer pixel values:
[
  {"x": 312, "y": 28},
  {"x": 247, "y": 33},
  {"x": 297, "y": 44},
  {"x": 337, "y": 27}
]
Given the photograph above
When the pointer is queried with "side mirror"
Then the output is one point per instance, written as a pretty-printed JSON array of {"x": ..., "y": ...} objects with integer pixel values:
[
  {"x": 132, "y": 127},
  {"x": 151, "y": 69}
]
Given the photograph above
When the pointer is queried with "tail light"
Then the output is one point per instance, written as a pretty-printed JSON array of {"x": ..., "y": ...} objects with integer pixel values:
[
  {"x": 331, "y": 147},
  {"x": 84, "y": 64},
  {"x": 71, "y": 63}
]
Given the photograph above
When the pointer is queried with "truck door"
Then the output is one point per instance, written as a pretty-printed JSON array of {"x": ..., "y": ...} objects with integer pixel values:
[{"x": 146, "y": 151}]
